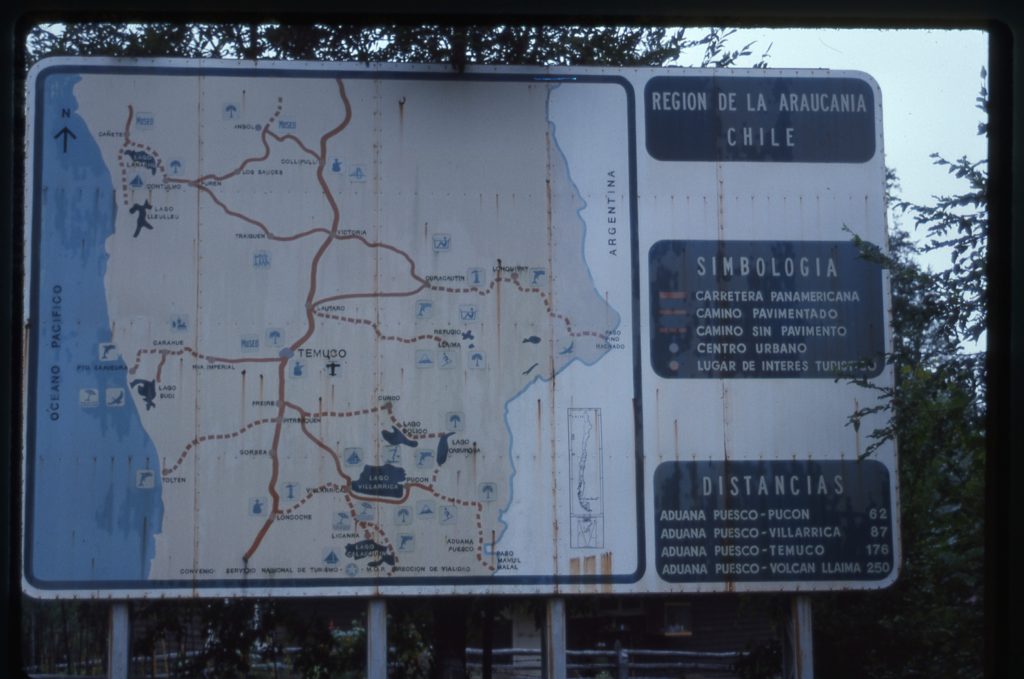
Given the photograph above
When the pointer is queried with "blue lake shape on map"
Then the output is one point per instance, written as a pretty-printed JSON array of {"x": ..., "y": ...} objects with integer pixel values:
[{"x": 381, "y": 481}]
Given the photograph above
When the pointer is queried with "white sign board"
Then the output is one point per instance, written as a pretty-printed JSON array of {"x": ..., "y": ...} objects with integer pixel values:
[{"x": 304, "y": 329}]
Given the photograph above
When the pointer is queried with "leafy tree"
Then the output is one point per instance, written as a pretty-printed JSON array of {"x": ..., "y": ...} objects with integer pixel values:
[
  {"x": 63, "y": 636},
  {"x": 329, "y": 647},
  {"x": 930, "y": 623},
  {"x": 456, "y": 45}
]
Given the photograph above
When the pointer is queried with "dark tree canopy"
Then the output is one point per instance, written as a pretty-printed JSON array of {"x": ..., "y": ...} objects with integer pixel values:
[
  {"x": 931, "y": 622},
  {"x": 456, "y": 45}
]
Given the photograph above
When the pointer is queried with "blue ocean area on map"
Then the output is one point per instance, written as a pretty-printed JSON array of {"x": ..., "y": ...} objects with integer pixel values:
[{"x": 95, "y": 500}]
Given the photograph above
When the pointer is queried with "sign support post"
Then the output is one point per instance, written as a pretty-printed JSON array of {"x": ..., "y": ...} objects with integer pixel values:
[
  {"x": 487, "y": 661},
  {"x": 554, "y": 638},
  {"x": 377, "y": 639},
  {"x": 118, "y": 641},
  {"x": 801, "y": 638}
]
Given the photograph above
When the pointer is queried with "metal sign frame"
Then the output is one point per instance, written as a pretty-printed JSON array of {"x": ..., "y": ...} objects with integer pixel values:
[{"x": 655, "y": 412}]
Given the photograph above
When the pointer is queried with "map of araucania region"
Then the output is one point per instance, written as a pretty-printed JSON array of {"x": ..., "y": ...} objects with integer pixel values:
[{"x": 336, "y": 299}]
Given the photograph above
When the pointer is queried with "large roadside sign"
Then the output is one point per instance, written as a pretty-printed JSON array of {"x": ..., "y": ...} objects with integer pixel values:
[{"x": 302, "y": 329}]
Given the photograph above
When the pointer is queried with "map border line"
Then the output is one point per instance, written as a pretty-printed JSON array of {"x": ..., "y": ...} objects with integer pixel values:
[{"x": 264, "y": 586}]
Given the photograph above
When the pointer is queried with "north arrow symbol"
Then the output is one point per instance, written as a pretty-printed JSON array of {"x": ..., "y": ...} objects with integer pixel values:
[{"x": 66, "y": 133}]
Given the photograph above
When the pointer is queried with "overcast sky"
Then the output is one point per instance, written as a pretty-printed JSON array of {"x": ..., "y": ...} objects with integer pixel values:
[{"x": 929, "y": 81}]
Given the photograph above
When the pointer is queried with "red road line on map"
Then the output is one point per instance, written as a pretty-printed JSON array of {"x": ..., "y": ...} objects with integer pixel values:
[
  {"x": 310, "y": 494},
  {"x": 275, "y": 464},
  {"x": 362, "y": 295},
  {"x": 238, "y": 170},
  {"x": 320, "y": 444},
  {"x": 121, "y": 151},
  {"x": 393, "y": 500},
  {"x": 323, "y": 154},
  {"x": 376, "y": 329},
  {"x": 128, "y": 125},
  {"x": 514, "y": 279},
  {"x": 349, "y": 494},
  {"x": 337, "y": 461},
  {"x": 194, "y": 443},
  {"x": 255, "y": 423},
  {"x": 335, "y": 219},
  {"x": 255, "y": 159},
  {"x": 365, "y": 525},
  {"x": 164, "y": 353},
  {"x": 552, "y": 314},
  {"x": 309, "y": 318},
  {"x": 385, "y": 246},
  {"x": 335, "y": 413},
  {"x": 332, "y": 235},
  {"x": 198, "y": 182},
  {"x": 347, "y": 488},
  {"x": 292, "y": 137},
  {"x": 255, "y": 222}
]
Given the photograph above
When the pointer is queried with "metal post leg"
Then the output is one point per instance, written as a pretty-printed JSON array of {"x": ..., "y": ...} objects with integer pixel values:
[
  {"x": 118, "y": 641},
  {"x": 377, "y": 639},
  {"x": 554, "y": 636},
  {"x": 801, "y": 638}
]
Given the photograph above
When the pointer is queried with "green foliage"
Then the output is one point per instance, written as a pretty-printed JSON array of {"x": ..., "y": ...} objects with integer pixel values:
[
  {"x": 959, "y": 224},
  {"x": 328, "y": 650},
  {"x": 456, "y": 45},
  {"x": 236, "y": 631},
  {"x": 930, "y": 623},
  {"x": 411, "y": 626},
  {"x": 763, "y": 661},
  {"x": 65, "y": 637}
]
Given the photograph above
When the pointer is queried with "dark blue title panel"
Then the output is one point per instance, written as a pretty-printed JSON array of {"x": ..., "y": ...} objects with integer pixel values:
[
  {"x": 771, "y": 521},
  {"x": 808, "y": 120},
  {"x": 732, "y": 309}
]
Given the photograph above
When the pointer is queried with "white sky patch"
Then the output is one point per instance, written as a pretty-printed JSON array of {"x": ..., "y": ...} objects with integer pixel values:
[{"x": 929, "y": 81}]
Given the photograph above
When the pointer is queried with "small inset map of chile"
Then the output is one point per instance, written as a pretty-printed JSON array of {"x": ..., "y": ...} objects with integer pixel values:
[{"x": 586, "y": 479}]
